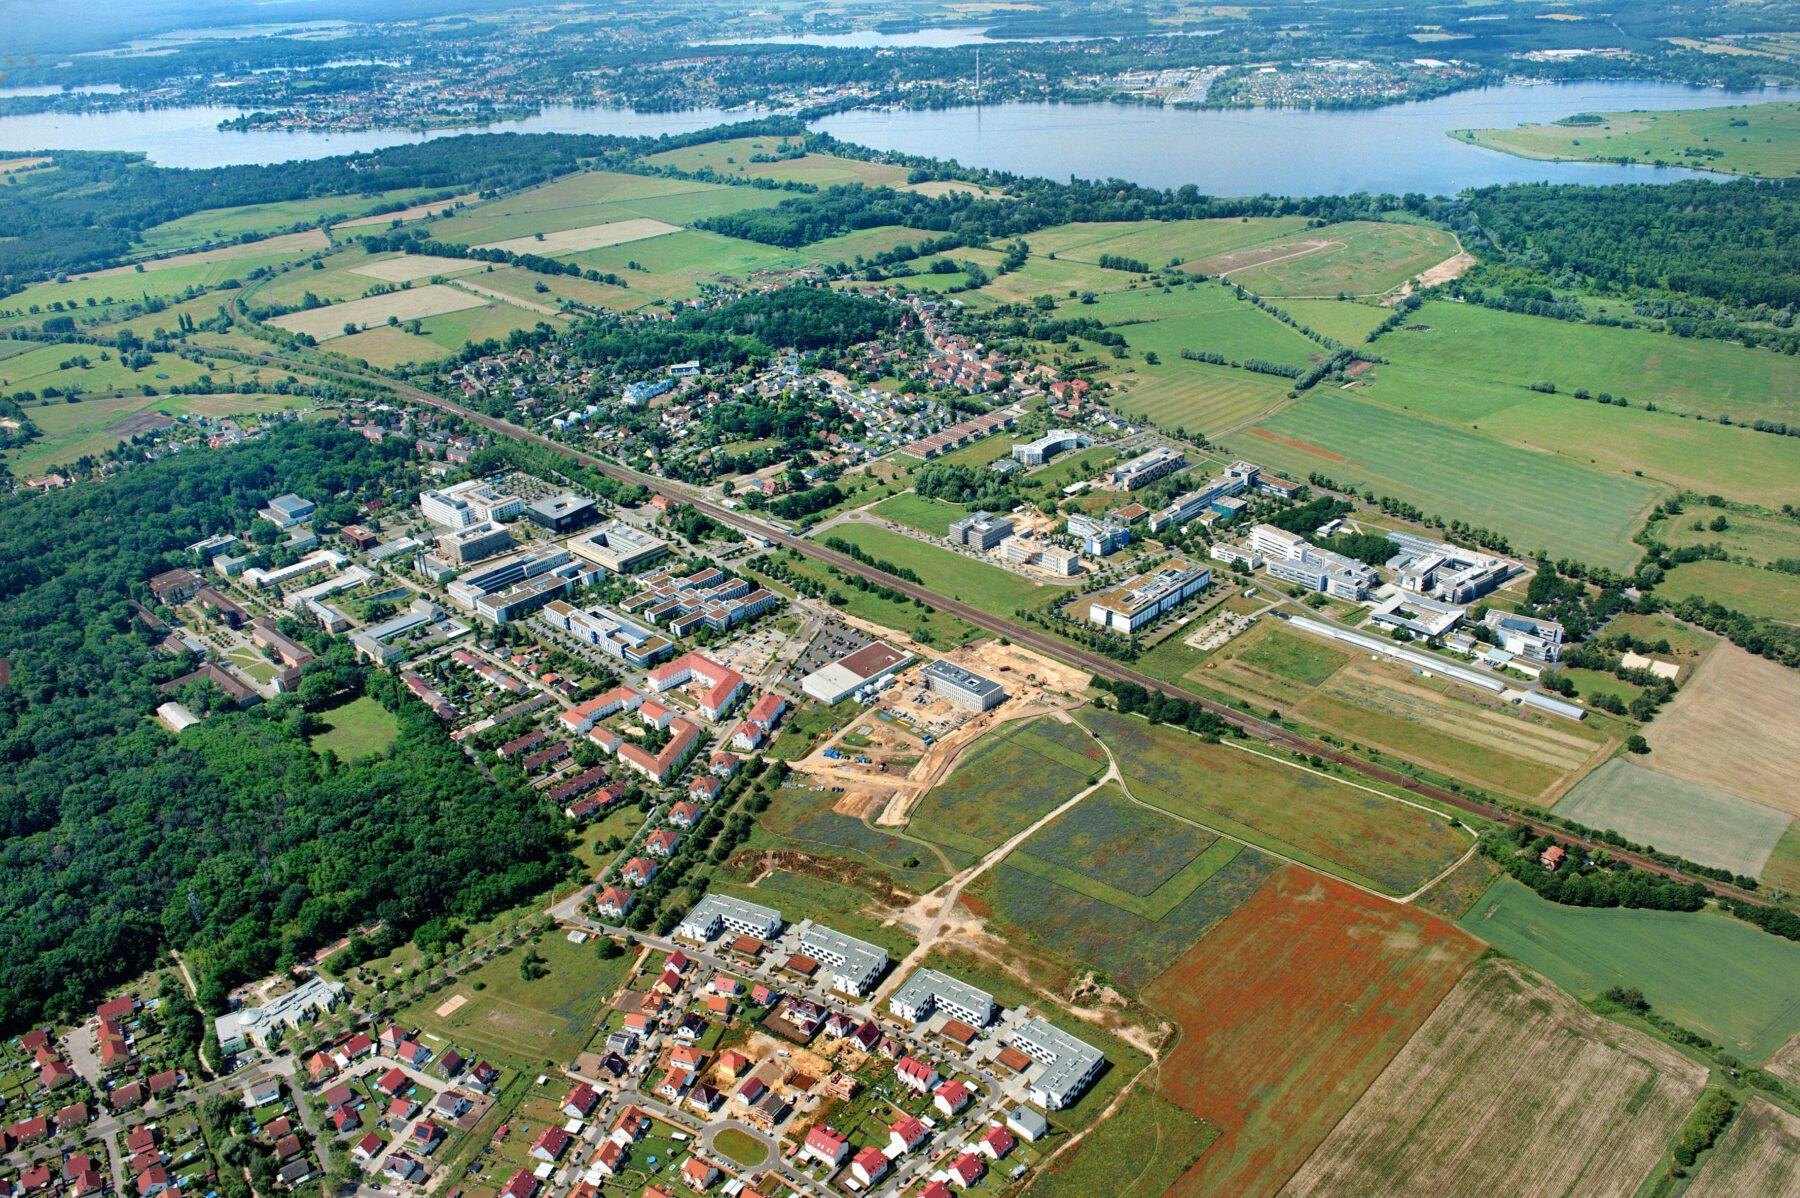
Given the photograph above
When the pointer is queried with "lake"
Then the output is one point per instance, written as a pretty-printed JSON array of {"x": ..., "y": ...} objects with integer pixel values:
[{"x": 1396, "y": 149}]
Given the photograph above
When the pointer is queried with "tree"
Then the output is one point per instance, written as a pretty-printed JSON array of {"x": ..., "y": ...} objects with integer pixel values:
[{"x": 1637, "y": 744}]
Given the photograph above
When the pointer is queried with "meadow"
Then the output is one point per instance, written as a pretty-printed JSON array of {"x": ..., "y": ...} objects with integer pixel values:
[
  {"x": 1341, "y": 320},
  {"x": 220, "y": 224},
  {"x": 1138, "y": 1153},
  {"x": 1681, "y": 374},
  {"x": 93, "y": 426},
  {"x": 590, "y": 198},
  {"x": 1699, "y": 822},
  {"x": 1509, "y": 1078},
  {"x": 1309, "y": 817},
  {"x": 1355, "y": 258},
  {"x": 949, "y": 573},
  {"x": 1712, "y": 973},
  {"x": 1288, "y": 1010},
  {"x": 918, "y": 511},
  {"x": 360, "y": 728},
  {"x": 1749, "y": 589},
  {"x": 924, "y": 624},
  {"x": 1538, "y": 500},
  {"x": 733, "y": 158},
  {"x": 1762, "y": 140},
  {"x": 416, "y": 303},
  {"x": 1206, "y": 317},
  {"x": 1157, "y": 242},
  {"x": 1012, "y": 777}
]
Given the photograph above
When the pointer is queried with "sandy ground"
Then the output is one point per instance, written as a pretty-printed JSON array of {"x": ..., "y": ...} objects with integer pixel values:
[
  {"x": 328, "y": 322},
  {"x": 451, "y": 1006},
  {"x": 408, "y": 267},
  {"x": 288, "y": 243},
  {"x": 1452, "y": 267},
  {"x": 588, "y": 237},
  {"x": 1712, "y": 733}
]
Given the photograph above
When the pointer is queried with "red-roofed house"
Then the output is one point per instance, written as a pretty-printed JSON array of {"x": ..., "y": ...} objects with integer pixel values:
[
  {"x": 996, "y": 1142},
  {"x": 520, "y": 1185},
  {"x": 936, "y": 1189},
  {"x": 951, "y": 1097},
  {"x": 1553, "y": 856},
  {"x": 723, "y": 685},
  {"x": 551, "y": 1144},
  {"x": 905, "y": 1134},
  {"x": 393, "y": 1081},
  {"x": 638, "y": 871},
  {"x": 662, "y": 842},
  {"x": 345, "y": 1119},
  {"x": 402, "y": 1109},
  {"x": 916, "y": 1075},
  {"x": 684, "y": 814},
  {"x": 967, "y": 1169},
  {"x": 827, "y": 1146},
  {"x": 114, "y": 1009},
  {"x": 722, "y": 765},
  {"x": 705, "y": 790},
  {"x": 699, "y": 1174},
  {"x": 869, "y": 1166},
  {"x": 614, "y": 902},
  {"x": 580, "y": 1101},
  {"x": 660, "y": 766},
  {"x": 425, "y": 1136},
  {"x": 611, "y": 1158}
]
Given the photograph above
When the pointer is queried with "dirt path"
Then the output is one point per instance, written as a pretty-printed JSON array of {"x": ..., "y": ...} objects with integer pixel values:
[{"x": 1316, "y": 247}]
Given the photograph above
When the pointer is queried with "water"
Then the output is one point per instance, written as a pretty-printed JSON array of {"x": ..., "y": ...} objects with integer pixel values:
[
  {"x": 1396, "y": 149},
  {"x": 1238, "y": 152}
]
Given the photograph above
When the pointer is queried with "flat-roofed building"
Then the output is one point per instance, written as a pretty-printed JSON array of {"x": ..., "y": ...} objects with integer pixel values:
[
  {"x": 707, "y": 598},
  {"x": 1099, "y": 535},
  {"x": 285, "y": 511},
  {"x": 1529, "y": 637},
  {"x": 175, "y": 586},
  {"x": 980, "y": 530},
  {"x": 1070, "y": 1065},
  {"x": 1322, "y": 570},
  {"x": 1046, "y": 447},
  {"x": 1140, "y": 601},
  {"x": 477, "y": 542},
  {"x": 618, "y": 547},
  {"x": 1275, "y": 544},
  {"x": 1146, "y": 468},
  {"x": 562, "y": 513},
  {"x": 1234, "y": 554},
  {"x": 717, "y": 913},
  {"x": 496, "y": 576},
  {"x": 928, "y": 991},
  {"x": 473, "y": 502},
  {"x": 612, "y": 634},
  {"x": 378, "y": 644},
  {"x": 855, "y": 964},
  {"x": 1415, "y": 613},
  {"x": 963, "y": 687},
  {"x": 848, "y": 674}
]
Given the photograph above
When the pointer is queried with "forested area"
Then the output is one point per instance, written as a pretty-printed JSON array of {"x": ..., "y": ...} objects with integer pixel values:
[
  {"x": 739, "y": 330},
  {"x": 238, "y": 844},
  {"x": 1737, "y": 241}
]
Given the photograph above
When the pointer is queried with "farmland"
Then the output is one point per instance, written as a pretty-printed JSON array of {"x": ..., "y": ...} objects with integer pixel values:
[
  {"x": 1012, "y": 777},
  {"x": 808, "y": 820},
  {"x": 1199, "y": 317},
  {"x": 948, "y": 573},
  {"x": 1201, "y": 398},
  {"x": 735, "y": 158},
  {"x": 96, "y": 425},
  {"x": 1536, "y": 499},
  {"x": 1710, "y": 972},
  {"x": 1119, "y": 844},
  {"x": 591, "y": 198},
  {"x": 1758, "y": 139},
  {"x": 1449, "y": 1115},
  {"x": 1749, "y": 589},
  {"x": 434, "y": 299},
  {"x": 1704, "y": 737},
  {"x": 1288, "y": 1010},
  {"x": 224, "y": 224},
  {"x": 1350, "y": 323},
  {"x": 585, "y": 237},
  {"x": 1156, "y": 242},
  {"x": 1139, "y": 1153},
  {"x": 1681, "y": 374},
  {"x": 1699, "y": 822},
  {"x": 1355, "y": 257},
  {"x": 1310, "y": 817},
  {"x": 1758, "y": 1154}
]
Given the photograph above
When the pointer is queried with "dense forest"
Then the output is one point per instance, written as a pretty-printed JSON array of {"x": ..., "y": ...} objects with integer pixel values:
[
  {"x": 1737, "y": 241},
  {"x": 238, "y": 844},
  {"x": 737, "y": 331}
]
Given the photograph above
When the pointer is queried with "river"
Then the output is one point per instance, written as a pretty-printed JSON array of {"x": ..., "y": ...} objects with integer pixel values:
[{"x": 1397, "y": 149}]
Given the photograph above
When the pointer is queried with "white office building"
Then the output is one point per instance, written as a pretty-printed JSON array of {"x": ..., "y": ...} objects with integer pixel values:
[
  {"x": 855, "y": 964},
  {"x": 467, "y": 503},
  {"x": 1070, "y": 1065},
  {"x": 718, "y": 913},
  {"x": 1140, "y": 601},
  {"x": 927, "y": 991}
]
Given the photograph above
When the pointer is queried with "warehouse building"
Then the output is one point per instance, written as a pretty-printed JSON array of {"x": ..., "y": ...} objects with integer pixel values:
[
  {"x": 1140, "y": 601},
  {"x": 963, "y": 687},
  {"x": 927, "y": 991},
  {"x": 848, "y": 674}
]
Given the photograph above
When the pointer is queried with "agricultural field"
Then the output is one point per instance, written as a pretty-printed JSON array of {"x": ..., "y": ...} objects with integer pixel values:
[
  {"x": 1288, "y": 1010},
  {"x": 1699, "y": 822},
  {"x": 521, "y": 1022},
  {"x": 439, "y": 334},
  {"x": 222, "y": 224},
  {"x": 517, "y": 284},
  {"x": 1355, "y": 258},
  {"x": 589, "y": 198},
  {"x": 1680, "y": 374},
  {"x": 1509, "y": 1079},
  {"x": 1303, "y": 815},
  {"x": 94, "y": 426},
  {"x": 1118, "y": 844},
  {"x": 112, "y": 291},
  {"x": 359, "y": 728},
  {"x": 1704, "y": 735},
  {"x": 1762, "y": 140},
  {"x": 1538, "y": 500},
  {"x": 1758, "y": 1154},
  {"x": 949, "y": 573},
  {"x": 578, "y": 240},
  {"x": 1749, "y": 589},
  {"x": 1707, "y": 971},
  {"x": 1157, "y": 242},
  {"x": 1345, "y": 321},
  {"x": 1201, "y": 398},
  {"x": 1200, "y": 317},
  {"x": 674, "y": 266},
  {"x": 733, "y": 159},
  {"x": 1453, "y": 895},
  {"x": 1011, "y": 777},
  {"x": 416, "y": 303},
  {"x": 1138, "y": 1153}
]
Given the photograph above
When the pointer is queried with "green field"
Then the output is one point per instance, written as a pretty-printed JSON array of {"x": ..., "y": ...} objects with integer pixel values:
[
  {"x": 1305, "y": 660},
  {"x": 93, "y": 426},
  {"x": 1375, "y": 842},
  {"x": 1199, "y": 316},
  {"x": 220, "y": 224},
  {"x": 1116, "y": 843},
  {"x": 1355, "y": 257},
  {"x": 359, "y": 728},
  {"x": 1013, "y": 776},
  {"x": 1681, "y": 374},
  {"x": 525, "y": 1023},
  {"x": 1749, "y": 589},
  {"x": 109, "y": 291},
  {"x": 1709, "y": 972},
  {"x": 1157, "y": 242},
  {"x": 1201, "y": 398},
  {"x": 438, "y": 336},
  {"x": 1139, "y": 1153},
  {"x": 925, "y": 624},
  {"x": 732, "y": 158},
  {"x": 804, "y": 819},
  {"x": 1677, "y": 816},
  {"x": 948, "y": 573},
  {"x": 673, "y": 266},
  {"x": 1757, "y": 139},
  {"x": 739, "y": 1146},
  {"x": 916, "y": 511},
  {"x": 1537, "y": 500},
  {"x": 1344, "y": 321},
  {"x": 589, "y": 198}
]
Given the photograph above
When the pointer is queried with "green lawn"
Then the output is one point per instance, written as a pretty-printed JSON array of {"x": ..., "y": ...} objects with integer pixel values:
[
  {"x": 917, "y": 511},
  {"x": 739, "y": 1146},
  {"x": 1345, "y": 321},
  {"x": 948, "y": 573},
  {"x": 359, "y": 728},
  {"x": 1355, "y": 257},
  {"x": 1710, "y": 972},
  {"x": 1755, "y": 139}
]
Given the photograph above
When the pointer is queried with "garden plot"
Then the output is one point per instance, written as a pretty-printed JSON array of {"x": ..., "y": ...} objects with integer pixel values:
[
  {"x": 587, "y": 237},
  {"x": 328, "y": 322},
  {"x": 408, "y": 267},
  {"x": 1509, "y": 1078}
]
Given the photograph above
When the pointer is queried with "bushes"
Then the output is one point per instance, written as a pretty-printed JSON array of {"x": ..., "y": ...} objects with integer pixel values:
[{"x": 1704, "y": 1125}]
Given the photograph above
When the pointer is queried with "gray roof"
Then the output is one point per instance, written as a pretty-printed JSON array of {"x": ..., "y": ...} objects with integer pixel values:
[
  {"x": 1070, "y": 1059},
  {"x": 941, "y": 986},
  {"x": 955, "y": 675},
  {"x": 726, "y": 907},
  {"x": 859, "y": 956}
]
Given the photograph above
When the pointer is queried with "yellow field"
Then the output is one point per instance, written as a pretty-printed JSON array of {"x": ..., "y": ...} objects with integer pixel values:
[
  {"x": 407, "y": 267},
  {"x": 1712, "y": 733},
  {"x": 292, "y": 244},
  {"x": 329, "y": 321},
  {"x": 1758, "y": 1154},
  {"x": 587, "y": 237}
]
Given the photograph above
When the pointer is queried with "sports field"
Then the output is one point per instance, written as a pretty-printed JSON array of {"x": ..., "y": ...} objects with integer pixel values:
[
  {"x": 1755, "y": 139},
  {"x": 1355, "y": 258},
  {"x": 1538, "y": 500},
  {"x": 1312, "y": 818},
  {"x": 1710, "y": 972},
  {"x": 1681, "y": 374},
  {"x": 1758, "y": 1154},
  {"x": 1012, "y": 777},
  {"x": 1708, "y": 734},
  {"x": 1699, "y": 822},
  {"x": 1509, "y": 1079},
  {"x": 1138, "y": 1153},
  {"x": 949, "y": 573},
  {"x": 1288, "y": 1010}
]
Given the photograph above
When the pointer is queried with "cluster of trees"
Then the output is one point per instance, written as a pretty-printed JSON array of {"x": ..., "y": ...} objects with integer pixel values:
[
  {"x": 237, "y": 844},
  {"x": 414, "y": 241},
  {"x": 968, "y": 485},
  {"x": 1578, "y": 884},
  {"x": 862, "y": 555},
  {"x": 801, "y": 504},
  {"x": 1159, "y": 708}
]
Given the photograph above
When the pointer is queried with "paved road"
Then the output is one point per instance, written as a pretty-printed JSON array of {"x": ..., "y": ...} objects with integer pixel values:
[{"x": 999, "y": 625}]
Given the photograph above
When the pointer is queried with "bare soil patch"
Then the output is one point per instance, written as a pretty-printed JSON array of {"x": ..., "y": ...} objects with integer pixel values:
[
  {"x": 1302, "y": 446},
  {"x": 1509, "y": 1078},
  {"x": 295, "y": 244},
  {"x": 451, "y": 1006},
  {"x": 418, "y": 302},
  {"x": 408, "y": 267}
]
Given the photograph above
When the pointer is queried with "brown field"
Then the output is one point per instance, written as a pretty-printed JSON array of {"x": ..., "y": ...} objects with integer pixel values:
[
  {"x": 1758, "y": 1154},
  {"x": 1510, "y": 1079},
  {"x": 296, "y": 244},
  {"x": 588, "y": 237},
  {"x": 1302, "y": 446},
  {"x": 1710, "y": 735},
  {"x": 408, "y": 267},
  {"x": 413, "y": 213},
  {"x": 1289, "y": 1010},
  {"x": 1785, "y": 1064},
  {"x": 328, "y": 322},
  {"x": 9, "y": 165}
]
